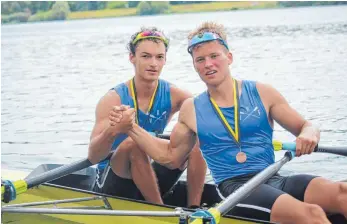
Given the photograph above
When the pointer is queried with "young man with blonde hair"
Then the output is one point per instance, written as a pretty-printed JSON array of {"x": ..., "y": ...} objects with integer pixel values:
[
  {"x": 151, "y": 102},
  {"x": 233, "y": 121}
]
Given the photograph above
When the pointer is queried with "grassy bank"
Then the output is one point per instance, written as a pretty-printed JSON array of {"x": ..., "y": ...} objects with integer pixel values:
[
  {"x": 102, "y": 13},
  {"x": 220, "y": 6},
  {"x": 186, "y": 8}
]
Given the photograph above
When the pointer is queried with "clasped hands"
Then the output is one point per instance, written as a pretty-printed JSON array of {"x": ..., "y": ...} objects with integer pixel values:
[{"x": 123, "y": 117}]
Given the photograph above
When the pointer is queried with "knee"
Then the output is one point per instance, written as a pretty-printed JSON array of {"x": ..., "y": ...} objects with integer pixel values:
[
  {"x": 315, "y": 214},
  {"x": 314, "y": 210},
  {"x": 124, "y": 149},
  {"x": 128, "y": 149},
  {"x": 127, "y": 145},
  {"x": 136, "y": 154},
  {"x": 342, "y": 195}
]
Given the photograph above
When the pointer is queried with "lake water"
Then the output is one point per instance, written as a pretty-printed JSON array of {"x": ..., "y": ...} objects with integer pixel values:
[{"x": 54, "y": 73}]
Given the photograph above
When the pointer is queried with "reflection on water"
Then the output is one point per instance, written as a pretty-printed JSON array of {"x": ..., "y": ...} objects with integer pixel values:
[{"x": 53, "y": 74}]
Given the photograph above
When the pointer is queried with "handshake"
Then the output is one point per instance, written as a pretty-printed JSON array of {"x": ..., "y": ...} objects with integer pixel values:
[{"x": 122, "y": 118}]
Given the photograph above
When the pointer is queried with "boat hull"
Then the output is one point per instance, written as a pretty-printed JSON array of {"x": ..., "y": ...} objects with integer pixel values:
[
  {"x": 78, "y": 185},
  {"x": 49, "y": 192}
]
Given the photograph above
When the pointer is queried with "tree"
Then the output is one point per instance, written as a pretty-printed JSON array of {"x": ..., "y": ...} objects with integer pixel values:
[
  {"x": 60, "y": 10},
  {"x": 133, "y": 4},
  {"x": 40, "y": 6},
  {"x": 78, "y": 6},
  {"x": 150, "y": 8},
  {"x": 144, "y": 8},
  {"x": 160, "y": 7}
]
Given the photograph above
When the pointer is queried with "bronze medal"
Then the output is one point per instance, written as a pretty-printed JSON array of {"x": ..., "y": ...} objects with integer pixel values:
[{"x": 241, "y": 157}]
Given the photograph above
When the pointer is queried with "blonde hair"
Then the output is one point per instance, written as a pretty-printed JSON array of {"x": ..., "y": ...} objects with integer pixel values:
[{"x": 209, "y": 27}]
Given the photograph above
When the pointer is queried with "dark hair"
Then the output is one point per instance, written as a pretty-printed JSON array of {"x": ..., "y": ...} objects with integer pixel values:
[{"x": 132, "y": 47}]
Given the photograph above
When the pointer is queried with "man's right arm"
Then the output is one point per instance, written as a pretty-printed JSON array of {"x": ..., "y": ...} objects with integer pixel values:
[
  {"x": 182, "y": 140},
  {"x": 103, "y": 133}
]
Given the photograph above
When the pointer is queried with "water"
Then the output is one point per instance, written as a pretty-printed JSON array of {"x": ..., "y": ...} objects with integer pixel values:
[{"x": 54, "y": 73}]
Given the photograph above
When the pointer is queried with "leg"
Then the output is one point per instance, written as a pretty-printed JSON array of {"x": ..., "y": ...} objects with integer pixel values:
[
  {"x": 167, "y": 178},
  {"x": 295, "y": 187},
  {"x": 334, "y": 198},
  {"x": 195, "y": 177},
  {"x": 112, "y": 184},
  {"x": 257, "y": 205},
  {"x": 271, "y": 204},
  {"x": 196, "y": 172},
  {"x": 130, "y": 162},
  {"x": 287, "y": 209}
]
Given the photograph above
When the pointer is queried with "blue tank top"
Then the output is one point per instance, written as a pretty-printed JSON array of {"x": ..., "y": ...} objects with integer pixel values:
[
  {"x": 218, "y": 147},
  {"x": 156, "y": 121}
]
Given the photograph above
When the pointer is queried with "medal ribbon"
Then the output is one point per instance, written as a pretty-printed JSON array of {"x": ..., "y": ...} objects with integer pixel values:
[
  {"x": 236, "y": 135},
  {"x": 136, "y": 105}
]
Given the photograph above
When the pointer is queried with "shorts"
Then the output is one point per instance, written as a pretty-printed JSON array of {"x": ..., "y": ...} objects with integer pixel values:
[
  {"x": 259, "y": 203},
  {"x": 108, "y": 182}
]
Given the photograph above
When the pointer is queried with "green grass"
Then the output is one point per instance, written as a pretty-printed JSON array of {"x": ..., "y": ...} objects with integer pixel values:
[
  {"x": 220, "y": 6},
  {"x": 185, "y": 8},
  {"x": 102, "y": 13}
]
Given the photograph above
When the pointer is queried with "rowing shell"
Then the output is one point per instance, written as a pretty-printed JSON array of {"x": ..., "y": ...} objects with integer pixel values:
[{"x": 71, "y": 195}]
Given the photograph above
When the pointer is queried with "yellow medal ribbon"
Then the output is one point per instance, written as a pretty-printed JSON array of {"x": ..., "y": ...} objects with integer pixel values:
[
  {"x": 235, "y": 134},
  {"x": 136, "y": 107}
]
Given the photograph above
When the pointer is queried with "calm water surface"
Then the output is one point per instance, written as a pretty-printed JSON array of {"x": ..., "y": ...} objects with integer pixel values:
[{"x": 54, "y": 73}]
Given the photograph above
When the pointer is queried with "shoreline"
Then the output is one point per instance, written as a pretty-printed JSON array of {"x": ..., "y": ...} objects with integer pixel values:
[{"x": 173, "y": 9}]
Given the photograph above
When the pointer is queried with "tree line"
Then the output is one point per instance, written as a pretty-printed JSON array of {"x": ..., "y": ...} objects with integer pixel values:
[
  {"x": 30, "y": 11},
  {"x": 75, "y": 6}
]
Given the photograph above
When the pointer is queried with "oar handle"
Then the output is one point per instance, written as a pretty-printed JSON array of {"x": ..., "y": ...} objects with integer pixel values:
[{"x": 325, "y": 149}]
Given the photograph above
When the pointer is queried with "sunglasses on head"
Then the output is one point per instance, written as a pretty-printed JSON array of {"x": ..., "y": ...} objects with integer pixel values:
[
  {"x": 150, "y": 34},
  {"x": 204, "y": 37}
]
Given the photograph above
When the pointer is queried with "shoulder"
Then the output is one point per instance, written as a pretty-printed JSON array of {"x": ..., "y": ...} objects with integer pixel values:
[
  {"x": 187, "y": 113},
  {"x": 263, "y": 86},
  {"x": 179, "y": 93},
  {"x": 188, "y": 104},
  {"x": 265, "y": 89},
  {"x": 106, "y": 102},
  {"x": 178, "y": 96},
  {"x": 269, "y": 94}
]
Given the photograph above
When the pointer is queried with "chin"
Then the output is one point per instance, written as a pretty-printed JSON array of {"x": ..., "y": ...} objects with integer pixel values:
[
  {"x": 212, "y": 82},
  {"x": 151, "y": 77}
]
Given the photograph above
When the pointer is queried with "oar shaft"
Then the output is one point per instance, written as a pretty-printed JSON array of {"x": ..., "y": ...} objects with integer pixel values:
[
  {"x": 334, "y": 150},
  {"x": 77, "y": 211},
  {"x": 319, "y": 148},
  {"x": 57, "y": 173},
  {"x": 233, "y": 199},
  {"x": 60, "y": 172}
]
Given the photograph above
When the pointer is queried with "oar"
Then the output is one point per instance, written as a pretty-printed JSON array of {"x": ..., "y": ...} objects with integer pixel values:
[
  {"x": 241, "y": 193},
  {"x": 10, "y": 190},
  {"x": 278, "y": 145},
  {"x": 342, "y": 151}
]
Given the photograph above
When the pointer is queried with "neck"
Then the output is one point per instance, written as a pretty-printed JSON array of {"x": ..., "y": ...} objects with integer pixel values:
[
  {"x": 144, "y": 88},
  {"x": 223, "y": 93}
]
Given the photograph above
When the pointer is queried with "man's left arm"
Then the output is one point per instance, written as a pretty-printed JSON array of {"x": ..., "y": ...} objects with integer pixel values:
[{"x": 307, "y": 134}]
